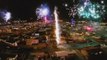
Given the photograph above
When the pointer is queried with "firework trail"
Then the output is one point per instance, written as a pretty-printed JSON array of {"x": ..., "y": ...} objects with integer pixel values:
[{"x": 57, "y": 31}]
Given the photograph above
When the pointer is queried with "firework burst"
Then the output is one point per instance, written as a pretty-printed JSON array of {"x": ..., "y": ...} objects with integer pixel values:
[
  {"x": 5, "y": 15},
  {"x": 90, "y": 10},
  {"x": 43, "y": 11}
]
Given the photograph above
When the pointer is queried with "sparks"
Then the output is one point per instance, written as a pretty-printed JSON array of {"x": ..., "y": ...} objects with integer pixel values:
[{"x": 90, "y": 10}]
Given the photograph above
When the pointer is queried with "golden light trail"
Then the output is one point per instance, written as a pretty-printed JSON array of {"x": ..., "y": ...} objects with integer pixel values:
[{"x": 57, "y": 27}]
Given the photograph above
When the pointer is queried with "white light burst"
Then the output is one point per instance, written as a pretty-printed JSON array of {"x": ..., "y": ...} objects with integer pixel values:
[
  {"x": 5, "y": 15},
  {"x": 42, "y": 11}
]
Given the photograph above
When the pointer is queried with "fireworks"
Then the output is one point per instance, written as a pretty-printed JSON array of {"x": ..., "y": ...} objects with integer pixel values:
[
  {"x": 91, "y": 10},
  {"x": 57, "y": 31},
  {"x": 73, "y": 21},
  {"x": 88, "y": 10},
  {"x": 42, "y": 11},
  {"x": 5, "y": 15},
  {"x": 73, "y": 11}
]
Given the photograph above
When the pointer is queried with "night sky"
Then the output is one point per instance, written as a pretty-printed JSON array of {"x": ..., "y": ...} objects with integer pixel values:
[{"x": 25, "y": 9}]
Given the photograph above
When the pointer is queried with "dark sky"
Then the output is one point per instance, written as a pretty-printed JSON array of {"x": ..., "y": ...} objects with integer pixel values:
[{"x": 25, "y": 9}]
